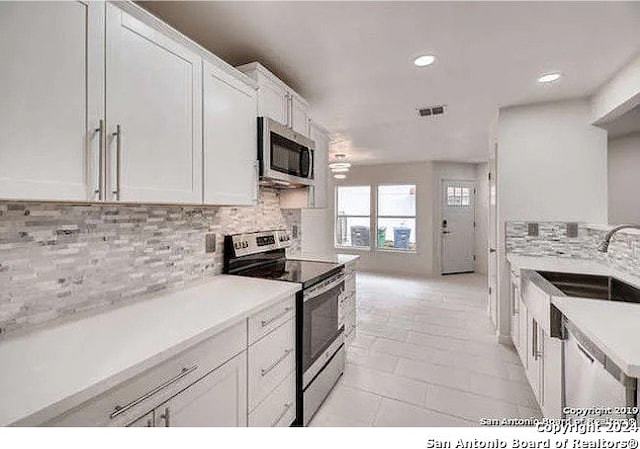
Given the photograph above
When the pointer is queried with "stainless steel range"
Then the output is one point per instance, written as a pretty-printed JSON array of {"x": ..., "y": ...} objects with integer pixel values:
[{"x": 320, "y": 355}]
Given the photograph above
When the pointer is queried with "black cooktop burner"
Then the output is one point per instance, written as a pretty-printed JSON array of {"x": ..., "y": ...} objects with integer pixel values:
[{"x": 305, "y": 272}]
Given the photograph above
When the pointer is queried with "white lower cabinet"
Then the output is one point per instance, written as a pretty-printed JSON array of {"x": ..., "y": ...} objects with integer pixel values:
[
  {"x": 272, "y": 367},
  {"x": 217, "y": 400}
]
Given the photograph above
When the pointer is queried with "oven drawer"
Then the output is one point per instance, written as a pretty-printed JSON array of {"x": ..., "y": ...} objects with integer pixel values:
[
  {"x": 141, "y": 394},
  {"x": 271, "y": 360},
  {"x": 279, "y": 408},
  {"x": 270, "y": 318}
]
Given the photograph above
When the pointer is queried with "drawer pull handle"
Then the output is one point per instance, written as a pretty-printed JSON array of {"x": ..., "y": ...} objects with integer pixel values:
[
  {"x": 118, "y": 409},
  {"x": 287, "y": 406},
  {"x": 265, "y": 371},
  {"x": 265, "y": 323}
]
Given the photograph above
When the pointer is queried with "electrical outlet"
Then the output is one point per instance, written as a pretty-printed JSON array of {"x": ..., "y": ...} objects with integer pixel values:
[
  {"x": 572, "y": 230},
  {"x": 210, "y": 243},
  {"x": 533, "y": 229},
  {"x": 294, "y": 231}
]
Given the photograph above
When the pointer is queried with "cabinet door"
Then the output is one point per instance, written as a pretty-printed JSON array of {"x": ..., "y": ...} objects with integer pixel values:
[
  {"x": 50, "y": 99},
  {"x": 217, "y": 400},
  {"x": 523, "y": 328},
  {"x": 230, "y": 139},
  {"x": 299, "y": 116},
  {"x": 321, "y": 161},
  {"x": 533, "y": 356},
  {"x": 273, "y": 100},
  {"x": 154, "y": 96},
  {"x": 144, "y": 421}
]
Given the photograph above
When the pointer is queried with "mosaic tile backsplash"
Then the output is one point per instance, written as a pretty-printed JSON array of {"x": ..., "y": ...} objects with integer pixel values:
[
  {"x": 57, "y": 259},
  {"x": 623, "y": 254}
]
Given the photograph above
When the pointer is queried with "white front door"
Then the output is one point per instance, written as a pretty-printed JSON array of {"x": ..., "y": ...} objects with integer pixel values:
[{"x": 457, "y": 227}]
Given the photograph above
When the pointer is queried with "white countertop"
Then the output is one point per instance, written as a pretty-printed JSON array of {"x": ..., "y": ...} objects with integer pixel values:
[
  {"x": 334, "y": 258},
  {"x": 51, "y": 370},
  {"x": 611, "y": 326}
]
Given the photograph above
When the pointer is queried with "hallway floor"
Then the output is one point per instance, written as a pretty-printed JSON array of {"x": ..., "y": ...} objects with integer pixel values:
[{"x": 426, "y": 355}]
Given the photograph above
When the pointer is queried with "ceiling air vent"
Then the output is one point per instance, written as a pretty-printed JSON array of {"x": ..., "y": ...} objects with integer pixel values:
[{"x": 431, "y": 110}]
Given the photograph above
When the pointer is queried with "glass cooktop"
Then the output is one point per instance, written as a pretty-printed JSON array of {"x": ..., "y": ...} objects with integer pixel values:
[{"x": 303, "y": 271}]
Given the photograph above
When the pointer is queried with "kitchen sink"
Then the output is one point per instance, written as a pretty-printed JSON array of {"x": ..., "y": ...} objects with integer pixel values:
[{"x": 592, "y": 286}]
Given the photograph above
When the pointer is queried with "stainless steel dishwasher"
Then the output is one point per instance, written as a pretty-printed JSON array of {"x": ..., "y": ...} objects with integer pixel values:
[{"x": 592, "y": 382}]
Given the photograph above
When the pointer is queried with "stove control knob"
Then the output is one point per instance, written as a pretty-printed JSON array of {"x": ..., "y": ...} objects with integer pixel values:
[{"x": 245, "y": 244}]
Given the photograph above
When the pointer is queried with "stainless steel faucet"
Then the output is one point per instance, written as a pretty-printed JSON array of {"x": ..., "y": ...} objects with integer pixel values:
[{"x": 603, "y": 246}]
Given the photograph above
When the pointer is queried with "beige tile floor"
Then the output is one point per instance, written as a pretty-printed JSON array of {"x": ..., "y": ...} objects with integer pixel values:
[{"x": 426, "y": 355}]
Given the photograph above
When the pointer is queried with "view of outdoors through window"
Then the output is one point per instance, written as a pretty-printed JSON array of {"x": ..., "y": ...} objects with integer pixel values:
[
  {"x": 396, "y": 217},
  {"x": 395, "y": 221},
  {"x": 353, "y": 216}
]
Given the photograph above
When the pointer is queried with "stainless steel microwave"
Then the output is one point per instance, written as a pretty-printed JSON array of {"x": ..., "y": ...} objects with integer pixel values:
[{"x": 285, "y": 157}]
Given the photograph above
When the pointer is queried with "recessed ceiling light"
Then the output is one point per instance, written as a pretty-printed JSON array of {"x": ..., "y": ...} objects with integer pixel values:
[
  {"x": 340, "y": 170},
  {"x": 339, "y": 165},
  {"x": 424, "y": 60},
  {"x": 339, "y": 176},
  {"x": 549, "y": 77}
]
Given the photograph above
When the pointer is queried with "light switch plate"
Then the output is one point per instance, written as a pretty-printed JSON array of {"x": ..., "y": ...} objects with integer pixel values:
[{"x": 210, "y": 243}]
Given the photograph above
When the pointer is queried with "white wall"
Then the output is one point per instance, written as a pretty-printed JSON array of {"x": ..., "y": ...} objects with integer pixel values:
[
  {"x": 482, "y": 217},
  {"x": 421, "y": 174},
  {"x": 624, "y": 179},
  {"x": 551, "y": 165}
]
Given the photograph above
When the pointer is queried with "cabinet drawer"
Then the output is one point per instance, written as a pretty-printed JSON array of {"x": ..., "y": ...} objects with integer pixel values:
[
  {"x": 137, "y": 396},
  {"x": 270, "y": 318},
  {"x": 271, "y": 360},
  {"x": 346, "y": 307},
  {"x": 350, "y": 283},
  {"x": 279, "y": 408}
]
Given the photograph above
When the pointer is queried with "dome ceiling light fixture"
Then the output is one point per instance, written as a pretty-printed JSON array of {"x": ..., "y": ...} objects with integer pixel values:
[
  {"x": 424, "y": 60},
  {"x": 549, "y": 77}
]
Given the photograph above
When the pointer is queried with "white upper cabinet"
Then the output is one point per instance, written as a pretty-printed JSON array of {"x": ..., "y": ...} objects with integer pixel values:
[
  {"x": 50, "y": 99},
  {"x": 299, "y": 115},
  {"x": 277, "y": 101},
  {"x": 321, "y": 161},
  {"x": 154, "y": 114},
  {"x": 273, "y": 100},
  {"x": 230, "y": 139}
]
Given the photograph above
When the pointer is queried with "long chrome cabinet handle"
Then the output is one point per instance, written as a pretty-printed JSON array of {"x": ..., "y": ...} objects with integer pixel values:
[
  {"x": 265, "y": 371},
  {"x": 256, "y": 194},
  {"x": 100, "y": 165},
  {"x": 118, "y": 136},
  {"x": 287, "y": 406},
  {"x": 286, "y": 310},
  {"x": 166, "y": 416},
  {"x": 118, "y": 410}
]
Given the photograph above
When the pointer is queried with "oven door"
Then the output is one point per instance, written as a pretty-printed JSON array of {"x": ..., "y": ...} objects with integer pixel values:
[{"x": 320, "y": 328}]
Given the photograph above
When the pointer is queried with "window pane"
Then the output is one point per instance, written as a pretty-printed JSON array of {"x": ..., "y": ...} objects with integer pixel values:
[
  {"x": 397, "y": 200},
  {"x": 396, "y": 233},
  {"x": 353, "y": 232},
  {"x": 354, "y": 200}
]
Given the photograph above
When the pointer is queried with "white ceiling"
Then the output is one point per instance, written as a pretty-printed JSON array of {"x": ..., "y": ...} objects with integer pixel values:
[{"x": 353, "y": 62}]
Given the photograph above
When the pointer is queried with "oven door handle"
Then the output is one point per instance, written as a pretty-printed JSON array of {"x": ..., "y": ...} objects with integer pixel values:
[{"x": 324, "y": 287}]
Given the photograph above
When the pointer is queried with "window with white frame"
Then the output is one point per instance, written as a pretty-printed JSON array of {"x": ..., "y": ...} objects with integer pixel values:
[
  {"x": 353, "y": 216},
  {"x": 396, "y": 217}
]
